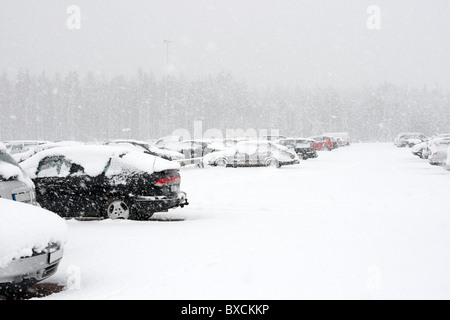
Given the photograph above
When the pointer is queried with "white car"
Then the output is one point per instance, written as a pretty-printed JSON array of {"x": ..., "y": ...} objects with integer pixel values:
[
  {"x": 409, "y": 139},
  {"x": 418, "y": 149},
  {"x": 32, "y": 240},
  {"x": 439, "y": 152},
  {"x": 22, "y": 145},
  {"x": 22, "y": 156},
  {"x": 251, "y": 154},
  {"x": 15, "y": 184},
  {"x": 148, "y": 148},
  {"x": 447, "y": 162},
  {"x": 426, "y": 152}
]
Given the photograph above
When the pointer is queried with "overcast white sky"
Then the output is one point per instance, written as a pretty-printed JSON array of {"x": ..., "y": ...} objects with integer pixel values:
[{"x": 301, "y": 42}]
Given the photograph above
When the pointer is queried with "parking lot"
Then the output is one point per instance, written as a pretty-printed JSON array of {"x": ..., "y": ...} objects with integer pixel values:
[{"x": 367, "y": 221}]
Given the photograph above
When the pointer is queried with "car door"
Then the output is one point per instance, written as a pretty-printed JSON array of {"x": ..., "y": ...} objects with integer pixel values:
[
  {"x": 245, "y": 153},
  {"x": 61, "y": 185},
  {"x": 49, "y": 182},
  {"x": 262, "y": 154}
]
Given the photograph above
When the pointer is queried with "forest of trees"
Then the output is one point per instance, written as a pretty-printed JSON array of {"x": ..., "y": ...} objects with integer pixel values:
[{"x": 89, "y": 107}]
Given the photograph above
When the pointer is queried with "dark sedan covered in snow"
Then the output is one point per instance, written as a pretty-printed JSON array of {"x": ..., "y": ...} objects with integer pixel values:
[{"x": 104, "y": 181}]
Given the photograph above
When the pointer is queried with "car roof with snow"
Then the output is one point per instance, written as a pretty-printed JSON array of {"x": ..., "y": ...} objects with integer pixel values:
[{"x": 94, "y": 159}]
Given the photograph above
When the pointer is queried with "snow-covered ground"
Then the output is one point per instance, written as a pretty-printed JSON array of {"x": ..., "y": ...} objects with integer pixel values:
[{"x": 368, "y": 221}]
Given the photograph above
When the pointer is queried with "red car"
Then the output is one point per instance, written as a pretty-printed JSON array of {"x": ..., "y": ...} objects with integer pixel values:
[{"x": 322, "y": 143}]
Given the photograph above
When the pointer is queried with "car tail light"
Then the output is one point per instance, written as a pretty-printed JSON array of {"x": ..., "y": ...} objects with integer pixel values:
[
  {"x": 292, "y": 156},
  {"x": 168, "y": 181}
]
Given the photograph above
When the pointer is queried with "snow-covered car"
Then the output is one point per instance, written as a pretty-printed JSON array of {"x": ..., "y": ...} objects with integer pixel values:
[
  {"x": 104, "y": 181},
  {"x": 191, "y": 149},
  {"x": 32, "y": 241},
  {"x": 274, "y": 137},
  {"x": 447, "y": 162},
  {"x": 418, "y": 149},
  {"x": 336, "y": 142},
  {"x": 409, "y": 139},
  {"x": 22, "y": 145},
  {"x": 426, "y": 152},
  {"x": 252, "y": 153},
  {"x": 438, "y": 156},
  {"x": 304, "y": 148},
  {"x": 22, "y": 156},
  {"x": 148, "y": 148},
  {"x": 342, "y": 137},
  {"x": 163, "y": 142},
  {"x": 14, "y": 183}
]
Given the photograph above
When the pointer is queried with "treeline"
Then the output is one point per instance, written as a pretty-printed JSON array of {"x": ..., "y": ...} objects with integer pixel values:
[{"x": 90, "y": 107}]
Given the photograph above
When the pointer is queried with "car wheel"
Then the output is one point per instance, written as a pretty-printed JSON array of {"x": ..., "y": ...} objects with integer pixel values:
[
  {"x": 221, "y": 162},
  {"x": 273, "y": 163},
  {"x": 117, "y": 208}
]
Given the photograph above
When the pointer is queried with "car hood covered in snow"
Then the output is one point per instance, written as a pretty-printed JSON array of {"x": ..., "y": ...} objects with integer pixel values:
[
  {"x": 25, "y": 229},
  {"x": 94, "y": 158}
]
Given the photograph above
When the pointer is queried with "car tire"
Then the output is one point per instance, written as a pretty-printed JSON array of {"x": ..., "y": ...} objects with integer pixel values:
[
  {"x": 118, "y": 208},
  {"x": 221, "y": 162},
  {"x": 271, "y": 162}
]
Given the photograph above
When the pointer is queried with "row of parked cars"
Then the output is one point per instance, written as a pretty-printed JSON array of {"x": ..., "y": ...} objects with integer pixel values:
[
  {"x": 269, "y": 151},
  {"x": 115, "y": 179},
  {"x": 435, "y": 149}
]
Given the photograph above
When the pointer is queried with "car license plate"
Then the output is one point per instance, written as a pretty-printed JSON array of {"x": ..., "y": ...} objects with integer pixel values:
[
  {"x": 55, "y": 256},
  {"x": 22, "y": 197}
]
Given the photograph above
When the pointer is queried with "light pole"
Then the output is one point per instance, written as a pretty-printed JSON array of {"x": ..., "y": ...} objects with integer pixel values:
[{"x": 167, "y": 42}]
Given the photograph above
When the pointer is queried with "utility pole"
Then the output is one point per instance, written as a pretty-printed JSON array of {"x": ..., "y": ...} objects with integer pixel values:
[{"x": 167, "y": 42}]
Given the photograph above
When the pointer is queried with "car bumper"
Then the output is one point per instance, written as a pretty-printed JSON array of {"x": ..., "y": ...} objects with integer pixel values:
[
  {"x": 160, "y": 203},
  {"x": 310, "y": 155},
  {"x": 28, "y": 271},
  {"x": 438, "y": 160},
  {"x": 287, "y": 163}
]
